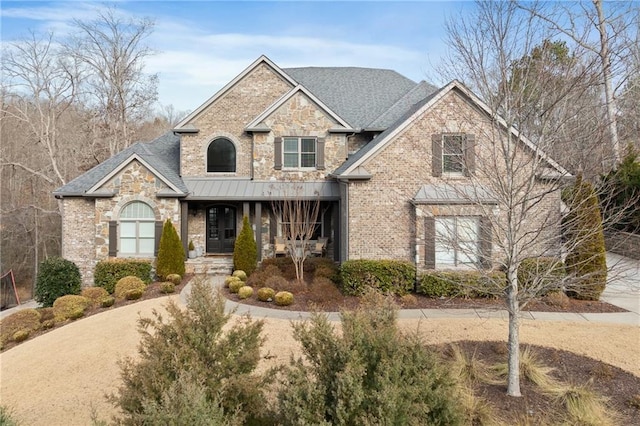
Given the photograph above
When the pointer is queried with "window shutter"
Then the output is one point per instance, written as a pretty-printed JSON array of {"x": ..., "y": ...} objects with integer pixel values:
[
  {"x": 320, "y": 154},
  {"x": 469, "y": 155},
  {"x": 113, "y": 238},
  {"x": 436, "y": 158},
  {"x": 277, "y": 153},
  {"x": 430, "y": 242},
  {"x": 158, "y": 235},
  {"x": 486, "y": 245}
]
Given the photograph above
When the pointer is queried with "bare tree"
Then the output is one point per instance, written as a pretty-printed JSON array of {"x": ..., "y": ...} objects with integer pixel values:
[
  {"x": 298, "y": 215},
  {"x": 112, "y": 50},
  {"x": 611, "y": 24}
]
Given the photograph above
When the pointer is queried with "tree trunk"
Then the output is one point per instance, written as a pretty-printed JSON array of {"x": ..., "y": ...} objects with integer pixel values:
[
  {"x": 513, "y": 380},
  {"x": 605, "y": 58}
]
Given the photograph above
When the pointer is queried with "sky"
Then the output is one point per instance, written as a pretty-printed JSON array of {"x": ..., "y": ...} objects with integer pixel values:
[{"x": 202, "y": 45}]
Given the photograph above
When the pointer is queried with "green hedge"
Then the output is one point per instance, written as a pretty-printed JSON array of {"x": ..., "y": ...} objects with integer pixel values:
[
  {"x": 545, "y": 273},
  {"x": 108, "y": 272},
  {"x": 56, "y": 277},
  {"x": 388, "y": 276},
  {"x": 462, "y": 283}
]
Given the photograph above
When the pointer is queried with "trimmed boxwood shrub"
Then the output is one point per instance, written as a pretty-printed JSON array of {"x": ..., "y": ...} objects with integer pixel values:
[
  {"x": 108, "y": 301},
  {"x": 25, "y": 319},
  {"x": 388, "y": 276},
  {"x": 245, "y": 292},
  {"x": 545, "y": 273},
  {"x": 174, "y": 278},
  {"x": 462, "y": 283},
  {"x": 167, "y": 287},
  {"x": 240, "y": 274},
  {"x": 283, "y": 298},
  {"x": 126, "y": 284},
  {"x": 108, "y": 272},
  {"x": 56, "y": 277},
  {"x": 170, "y": 258},
  {"x": 70, "y": 307},
  {"x": 235, "y": 285},
  {"x": 266, "y": 294},
  {"x": 245, "y": 250},
  {"x": 95, "y": 294}
]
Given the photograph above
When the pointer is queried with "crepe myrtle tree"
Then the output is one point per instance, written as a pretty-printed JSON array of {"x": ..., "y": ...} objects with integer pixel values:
[
  {"x": 514, "y": 185},
  {"x": 298, "y": 215}
]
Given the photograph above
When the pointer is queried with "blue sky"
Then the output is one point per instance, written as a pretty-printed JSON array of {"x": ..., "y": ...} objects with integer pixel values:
[{"x": 201, "y": 45}]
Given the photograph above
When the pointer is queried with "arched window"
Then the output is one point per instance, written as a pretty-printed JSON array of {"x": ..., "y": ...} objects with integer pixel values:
[
  {"x": 221, "y": 156},
  {"x": 137, "y": 229}
]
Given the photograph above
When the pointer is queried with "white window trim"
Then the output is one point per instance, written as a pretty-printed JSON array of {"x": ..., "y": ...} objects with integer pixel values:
[
  {"x": 456, "y": 244},
  {"x": 299, "y": 153},
  {"x": 136, "y": 221},
  {"x": 462, "y": 159}
]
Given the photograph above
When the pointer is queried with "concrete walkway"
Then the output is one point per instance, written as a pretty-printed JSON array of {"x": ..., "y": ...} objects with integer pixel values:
[{"x": 623, "y": 290}]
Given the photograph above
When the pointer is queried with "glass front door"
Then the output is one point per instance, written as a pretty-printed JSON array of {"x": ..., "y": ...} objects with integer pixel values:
[{"x": 221, "y": 229}]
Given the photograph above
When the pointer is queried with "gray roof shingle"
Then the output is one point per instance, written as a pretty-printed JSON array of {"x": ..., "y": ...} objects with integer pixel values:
[
  {"x": 358, "y": 95},
  {"x": 162, "y": 153}
]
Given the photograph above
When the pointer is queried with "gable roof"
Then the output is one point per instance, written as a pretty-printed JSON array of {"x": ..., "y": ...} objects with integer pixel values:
[
  {"x": 261, "y": 60},
  {"x": 370, "y": 150},
  {"x": 162, "y": 156},
  {"x": 358, "y": 95}
]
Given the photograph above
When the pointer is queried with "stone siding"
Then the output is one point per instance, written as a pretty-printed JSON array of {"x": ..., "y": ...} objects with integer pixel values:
[
  {"x": 227, "y": 117},
  {"x": 78, "y": 235}
]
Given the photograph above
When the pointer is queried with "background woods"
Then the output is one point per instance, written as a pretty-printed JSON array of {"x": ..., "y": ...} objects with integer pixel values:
[{"x": 66, "y": 104}]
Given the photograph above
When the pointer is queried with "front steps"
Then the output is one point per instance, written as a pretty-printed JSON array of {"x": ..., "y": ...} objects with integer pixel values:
[{"x": 210, "y": 265}]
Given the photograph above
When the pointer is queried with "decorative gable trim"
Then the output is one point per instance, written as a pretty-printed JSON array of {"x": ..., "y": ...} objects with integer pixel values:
[
  {"x": 380, "y": 145},
  {"x": 286, "y": 97},
  {"x": 261, "y": 60},
  {"x": 96, "y": 191}
]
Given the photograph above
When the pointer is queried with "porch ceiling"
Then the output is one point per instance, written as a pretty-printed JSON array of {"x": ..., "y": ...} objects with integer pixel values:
[{"x": 251, "y": 190}]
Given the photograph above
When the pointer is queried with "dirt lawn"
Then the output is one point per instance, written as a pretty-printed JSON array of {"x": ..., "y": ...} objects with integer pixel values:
[{"x": 61, "y": 377}]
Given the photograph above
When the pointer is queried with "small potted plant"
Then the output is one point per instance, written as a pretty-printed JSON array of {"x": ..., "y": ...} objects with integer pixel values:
[{"x": 192, "y": 250}]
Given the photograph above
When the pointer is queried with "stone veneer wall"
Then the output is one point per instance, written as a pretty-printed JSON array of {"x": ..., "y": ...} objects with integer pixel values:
[
  {"x": 227, "y": 117},
  {"x": 382, "y": 220},
  {"x": 78, "y": 235},
  {"x": 623, "y": 243}
]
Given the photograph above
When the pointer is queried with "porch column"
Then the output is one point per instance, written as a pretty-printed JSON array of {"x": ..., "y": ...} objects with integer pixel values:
[
  {"x": 258, "y": 225},
  {"x": 245, "y": 210},
  {"x": 184, "y": 225}
]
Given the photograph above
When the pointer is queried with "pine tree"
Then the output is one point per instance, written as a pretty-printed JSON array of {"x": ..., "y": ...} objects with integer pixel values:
[
  {"x": 245, "y": 251},
  {"x": 171, "y": 253}
]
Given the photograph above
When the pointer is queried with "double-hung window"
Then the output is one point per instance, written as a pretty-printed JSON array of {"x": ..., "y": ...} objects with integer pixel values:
[
  {"x": 299, "y": 152},
  {"x": 457, "y": 241},
  {"x": 137, "y": 230},
  {"x": 453, "y": 146}
]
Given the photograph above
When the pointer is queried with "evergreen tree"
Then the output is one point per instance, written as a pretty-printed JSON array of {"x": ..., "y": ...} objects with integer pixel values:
[
  {"x": 586, "y": 257},
  {"x": 245, "y": 251},
  {"x": 171, "y": 253}
]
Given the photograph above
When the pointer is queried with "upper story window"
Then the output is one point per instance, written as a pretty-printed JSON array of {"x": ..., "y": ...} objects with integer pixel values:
[
  {"x": 299, "y": 152},
  {"x": 137, "y": 229},
  {"x": 453, "y": 154},
  {"x": 221, "y": 156}
]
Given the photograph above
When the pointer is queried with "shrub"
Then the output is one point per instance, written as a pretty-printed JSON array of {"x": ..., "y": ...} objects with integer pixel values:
[
  {"x": 283, "y": 298},
  {"x": 108, "y": 272},
  {"x": 323, "y": 290},
  {"x": 47, "y": 324},
  {"x": 94, "y": 294},
  {"x": 174, "y": 278},
  {"x": 56, "y": 277},
  {"x": 285, "y": 266},
  {"x": 266, "y": 294},
  {"x": 133, "y": 294},
  {"x": 21, "y": 335},
  {"x": 167, "y": 287},
  {"x": 171, "y": 380},
  {"x": 7, "y": 417},
  {"x": 462, "y": 283},
  {"x": 541, "y": 275},
  {"x": 245, "y": 250},
  {"x": 240, "y": 274},
  {"x": 235, "y": 285},
  {"x": 620, "y": 193},
  {"x": 128, "y": 283},
  {"x": 46, "y": 314},
  {"x": 388, "y": 276},
  {"x": 276, "y": 282},
  {"x": 331, "y": 273},
  {"x": 261, "y": 275},
  {"x": 360, "y": 376},
  {"x": 586, "y": 259},
  {"x": 70, "y": 307},
  {"x": 245, "y": 292},
  {"x": 229, "y": 280},
  {"x": 24, "y": 319},
  {"x": 408, "y": 301},
  {"x": 108, "y": 301},
  {"x": 170, "y": 258}
]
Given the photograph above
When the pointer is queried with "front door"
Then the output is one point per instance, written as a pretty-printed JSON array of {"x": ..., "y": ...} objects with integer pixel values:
[{"x": 221, "y": 229}]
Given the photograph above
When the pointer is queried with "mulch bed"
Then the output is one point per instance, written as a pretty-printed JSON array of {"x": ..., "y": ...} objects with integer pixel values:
[{"x": 620, "y": 388}]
